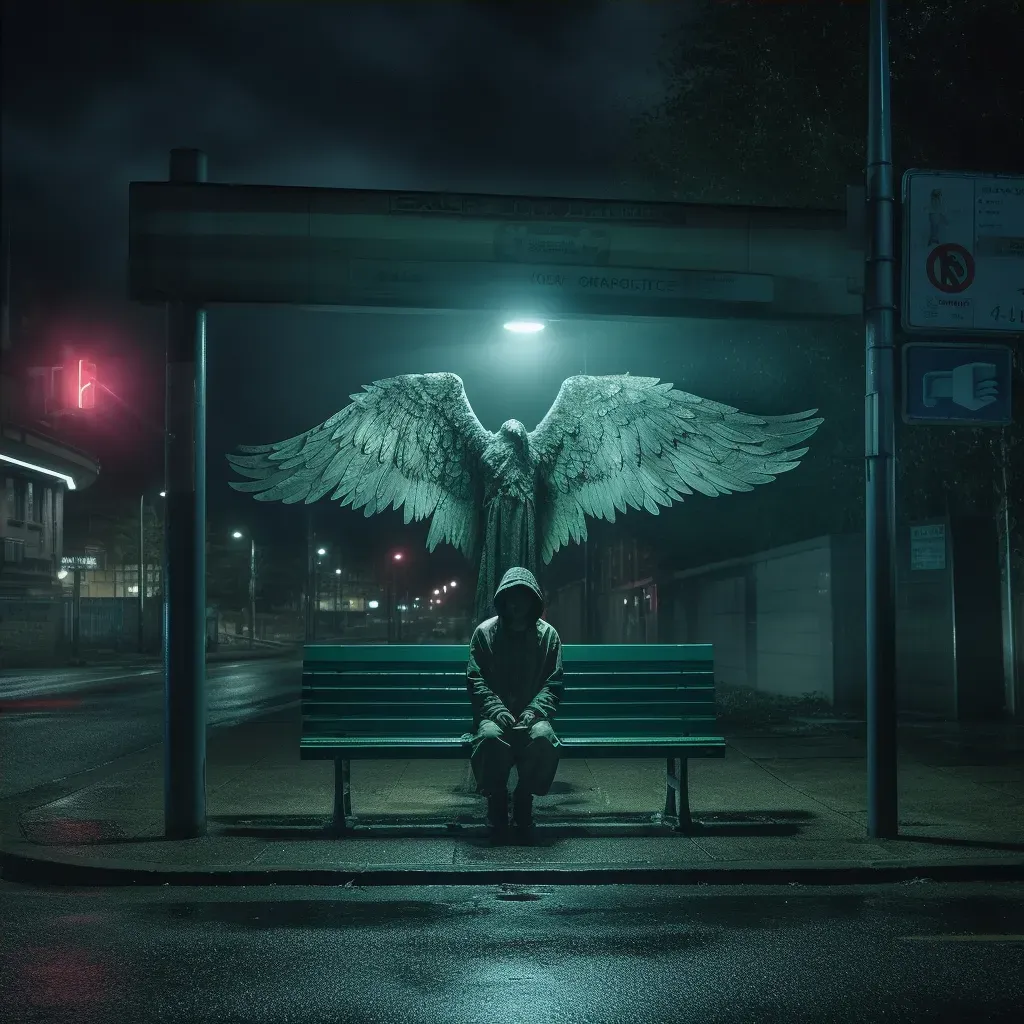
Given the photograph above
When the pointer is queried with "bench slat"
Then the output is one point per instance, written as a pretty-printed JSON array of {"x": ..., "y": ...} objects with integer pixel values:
[
  {"x": 432, "y": 680},
  {"x": 433, "y": 654},
  {"x": 572, "y": 694},
  {"x": 569, "y": 711},
  {"x": 624, "y": 728},
  {"x": 458, "y": 668},
  {"x": 380, "y": 747}
]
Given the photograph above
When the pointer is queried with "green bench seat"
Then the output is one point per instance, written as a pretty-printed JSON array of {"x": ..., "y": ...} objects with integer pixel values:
[{"x": 412, "y": 701}]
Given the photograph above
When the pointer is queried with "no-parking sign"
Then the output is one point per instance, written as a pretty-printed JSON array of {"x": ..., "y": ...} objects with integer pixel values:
[{"x": 963, "y": 253}]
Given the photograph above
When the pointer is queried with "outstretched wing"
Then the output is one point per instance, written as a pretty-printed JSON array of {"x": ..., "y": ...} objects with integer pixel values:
[
  {"x": 412, "y": 440},
  {"x": 616, "y": 441}
]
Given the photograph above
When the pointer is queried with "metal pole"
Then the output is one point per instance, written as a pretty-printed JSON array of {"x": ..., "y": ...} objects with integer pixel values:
[
  {"x": 76, "y": 614},
  {"x": 185, "y": 558},
  {"x": 142, "y": 570},
  {"x": 880, "y": 401},
  {"x": 1009, "y": 611},
  {"x": 587, "y": 583},
  {"x": 310, "y": 574},
  {"x": 316, "y": 592},
  {"x": 252, "y": 593}
]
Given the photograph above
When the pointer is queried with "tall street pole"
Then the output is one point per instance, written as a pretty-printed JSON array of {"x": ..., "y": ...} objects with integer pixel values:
[
  {"x": 76, "y": 614},
  {"x": 879, "y": 411},
  {"x": 252, "y": 593},
  {"x": 310, "y": 574},
  {"x": 185, "y": 558},
  {"x": 142, "y": 571}
]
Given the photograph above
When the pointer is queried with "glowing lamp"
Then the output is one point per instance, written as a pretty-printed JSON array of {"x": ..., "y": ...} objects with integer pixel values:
[{"x": 524, "y": 326}]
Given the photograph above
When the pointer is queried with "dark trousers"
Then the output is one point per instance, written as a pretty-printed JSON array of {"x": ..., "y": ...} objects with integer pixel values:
[{"x": 534, "y": 752}]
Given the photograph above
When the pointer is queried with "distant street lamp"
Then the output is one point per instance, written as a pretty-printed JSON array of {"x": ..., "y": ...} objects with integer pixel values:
[
  {"x": 313, "y": 588},
  {"x": 394, "y": 620},
  {"x": 252, "y": 586}
]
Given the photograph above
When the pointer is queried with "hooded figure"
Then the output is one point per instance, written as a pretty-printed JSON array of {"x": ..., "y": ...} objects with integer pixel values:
[{"x": 515, "y": 685}]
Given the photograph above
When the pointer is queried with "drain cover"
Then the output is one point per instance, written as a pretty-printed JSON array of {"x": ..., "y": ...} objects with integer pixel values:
[{"x": 518, "y": 893}]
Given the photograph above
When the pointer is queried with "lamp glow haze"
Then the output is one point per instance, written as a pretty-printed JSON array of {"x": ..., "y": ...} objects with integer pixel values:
[{"x": 524, "y": 326}]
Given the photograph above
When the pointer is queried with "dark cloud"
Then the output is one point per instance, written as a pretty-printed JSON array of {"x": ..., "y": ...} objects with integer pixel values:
[{"x": 500, "y": 97}]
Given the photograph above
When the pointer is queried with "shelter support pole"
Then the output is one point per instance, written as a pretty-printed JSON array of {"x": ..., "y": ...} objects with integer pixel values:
[
  {"x": 184, "y": 634},
  {"x": 880, "y": 402}
]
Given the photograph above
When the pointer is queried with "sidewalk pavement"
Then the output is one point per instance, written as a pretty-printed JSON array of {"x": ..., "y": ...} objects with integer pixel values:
[{"x": 782, "y": 807}]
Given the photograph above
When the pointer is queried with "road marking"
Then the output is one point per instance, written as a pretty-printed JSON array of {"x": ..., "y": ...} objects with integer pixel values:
[
  {"x": 41, "y": 685},
  {"x": 962, "y": 938}
]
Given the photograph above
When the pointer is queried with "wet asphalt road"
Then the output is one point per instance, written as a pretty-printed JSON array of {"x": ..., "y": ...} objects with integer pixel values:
[
  {"x": 621, "y": 954},
  {"x": 56, "y": 723}
]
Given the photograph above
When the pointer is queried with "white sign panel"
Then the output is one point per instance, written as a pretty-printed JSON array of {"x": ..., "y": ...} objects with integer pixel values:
[
  {"x": 963, "y": 253},
  {"x": 928, "y": 547},
  {"x": 79, "y": 562}
]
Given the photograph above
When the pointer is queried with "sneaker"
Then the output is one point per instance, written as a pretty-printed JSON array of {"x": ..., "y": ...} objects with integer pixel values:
[
  {"x": 522, "y": 812},
  {"x": 497, "y": 812}
]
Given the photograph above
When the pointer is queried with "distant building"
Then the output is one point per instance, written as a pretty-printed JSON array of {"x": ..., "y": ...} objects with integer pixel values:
[{"x": 36, "y": 471}]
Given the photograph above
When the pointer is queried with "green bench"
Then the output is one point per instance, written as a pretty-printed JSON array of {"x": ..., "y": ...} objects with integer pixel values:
[{"x": 412, "y": 701}]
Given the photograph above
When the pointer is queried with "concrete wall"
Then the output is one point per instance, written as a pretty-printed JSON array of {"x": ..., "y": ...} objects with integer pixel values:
[
  {"x": 769, "y": 617},
  {"x": 792, "y": 620},
  {"x": 718, "y": 605}
]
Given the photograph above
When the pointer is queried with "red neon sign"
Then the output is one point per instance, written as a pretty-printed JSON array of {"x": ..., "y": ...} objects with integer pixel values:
[{"x": 79, "y": 384}]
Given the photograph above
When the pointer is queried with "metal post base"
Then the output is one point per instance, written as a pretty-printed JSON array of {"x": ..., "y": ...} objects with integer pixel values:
[
  {"x": 677, "y": 782},
  {"x": 342, "y": 795}
]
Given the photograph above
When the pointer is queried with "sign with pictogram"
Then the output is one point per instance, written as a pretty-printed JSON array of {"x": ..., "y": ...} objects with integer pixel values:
[
  {"x": 963, "y": 253},
  {"x": 950, "y": 268},
  {"x": 957, "y": 384}
]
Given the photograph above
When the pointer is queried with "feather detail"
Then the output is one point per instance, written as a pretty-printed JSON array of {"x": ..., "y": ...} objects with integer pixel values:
[
  {"x": 612, "y": 442},
  {"x": 411, "y": 442}
]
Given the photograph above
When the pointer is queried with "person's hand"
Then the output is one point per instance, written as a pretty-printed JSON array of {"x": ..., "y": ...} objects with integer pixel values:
[
  {"x": 505, "y": 718},
  {"x": 526, "y": 719}
]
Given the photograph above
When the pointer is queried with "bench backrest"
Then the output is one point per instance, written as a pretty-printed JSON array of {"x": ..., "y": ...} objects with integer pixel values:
[{"x": 622, "y": 690}]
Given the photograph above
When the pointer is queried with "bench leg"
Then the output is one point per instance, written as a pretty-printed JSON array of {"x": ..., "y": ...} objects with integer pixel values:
[
  {"x": 342, "y": 793},
  {"x": 685, "y": 821},
  {"x": 670, "y": 790}
]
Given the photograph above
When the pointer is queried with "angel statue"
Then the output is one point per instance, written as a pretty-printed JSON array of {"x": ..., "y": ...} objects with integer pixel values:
[{"x": 505, "y": 498}]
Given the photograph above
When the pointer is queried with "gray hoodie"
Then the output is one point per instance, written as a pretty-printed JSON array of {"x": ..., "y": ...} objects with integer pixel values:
[{"x": 515, "y": 671}]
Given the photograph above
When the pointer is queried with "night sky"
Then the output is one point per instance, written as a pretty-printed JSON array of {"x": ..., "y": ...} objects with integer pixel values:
[{"x": 529, "y": 99}]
